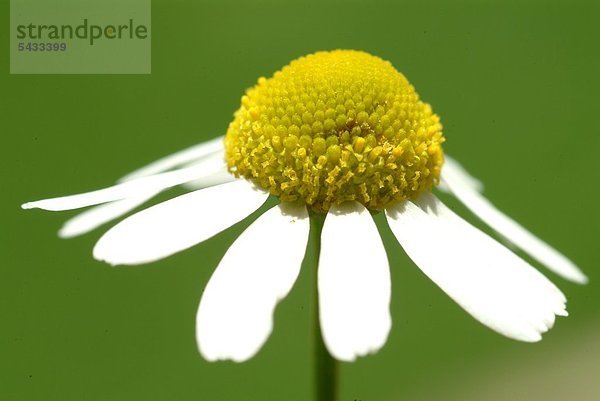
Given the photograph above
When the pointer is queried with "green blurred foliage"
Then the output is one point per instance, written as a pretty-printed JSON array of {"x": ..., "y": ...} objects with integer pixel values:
[{"x": 516, "y": 84}]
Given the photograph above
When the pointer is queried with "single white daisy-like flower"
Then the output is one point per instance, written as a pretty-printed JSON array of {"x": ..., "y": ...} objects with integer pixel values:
[{"x": 340, "y": 135}]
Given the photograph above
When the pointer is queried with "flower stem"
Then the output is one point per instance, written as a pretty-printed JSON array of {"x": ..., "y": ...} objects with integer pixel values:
[{"x": 325, "y": 367}]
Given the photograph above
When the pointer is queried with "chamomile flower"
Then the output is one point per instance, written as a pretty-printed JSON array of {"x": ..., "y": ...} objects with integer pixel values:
[{"x": 341, "y": 134}]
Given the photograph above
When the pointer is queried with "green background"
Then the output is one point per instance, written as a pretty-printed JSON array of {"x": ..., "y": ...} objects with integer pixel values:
[{"x": 516, "y": 85}]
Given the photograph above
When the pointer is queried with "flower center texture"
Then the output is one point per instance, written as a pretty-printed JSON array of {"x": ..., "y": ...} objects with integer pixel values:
[{"x": 336, "y": 126}]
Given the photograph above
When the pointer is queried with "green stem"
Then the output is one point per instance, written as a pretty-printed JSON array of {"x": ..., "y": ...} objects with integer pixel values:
[{"x": 325, "y": 367}]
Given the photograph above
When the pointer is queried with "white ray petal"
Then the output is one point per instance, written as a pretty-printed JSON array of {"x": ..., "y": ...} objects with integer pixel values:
[
  {"x": 101, "y": 214},
  {"x": 513, "y": 231},
  {"x": 454, "y": 169},
  {"x": 177, "y": 159},
  {"x": 220, "y": 177},
  {"x": 178, "y": 223},
  {"x": 353, "y": 283},
  {"x": 235, "y": 316},
  {"x": 494, "y": 285},
  {"x": 132, "y": 188}
]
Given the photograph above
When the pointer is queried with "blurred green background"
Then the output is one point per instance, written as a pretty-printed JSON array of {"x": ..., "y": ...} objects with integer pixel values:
[{"x": 516, "y": 84}]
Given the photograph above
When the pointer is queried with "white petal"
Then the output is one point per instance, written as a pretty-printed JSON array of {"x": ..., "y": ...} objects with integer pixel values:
[
  {"x": 235, "y": 316},
  {"x": 178, "y": 224},
  {"x": 101, "y": 214},
  {"x": 353, "y": 283},
  {"x": 133, "y": 188},
  {"x": 98, "y": 215},
  {"x": 220, "y": 177},
  {"x": 494, "y": 285},
  {"x": 513, "y": 231},
  {"x": 454, "y": 169},
  {"x": 177, "y": 159}
]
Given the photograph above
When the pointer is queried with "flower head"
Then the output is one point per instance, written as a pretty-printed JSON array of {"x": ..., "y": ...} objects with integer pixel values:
[
  {"x": 333, "y": 127},
  {"x": 340, "y": 133}
]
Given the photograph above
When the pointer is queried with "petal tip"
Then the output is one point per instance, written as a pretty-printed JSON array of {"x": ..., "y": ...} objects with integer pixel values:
[
  {"x": 580, "y": 278},
  {"x": 101, "y": 256},
  {"x": 343, "y": 357},
  {"x": 108, "y": 261},
  {"x": 223, "y": 356},
  {"x": 534, "y": 337},
  {"x": 65, "y": 232},
  {"x": 207, "y": 356}
]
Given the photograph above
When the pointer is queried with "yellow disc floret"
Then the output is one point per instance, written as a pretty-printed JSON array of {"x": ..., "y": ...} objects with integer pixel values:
[{"x": 336, "y": 126}]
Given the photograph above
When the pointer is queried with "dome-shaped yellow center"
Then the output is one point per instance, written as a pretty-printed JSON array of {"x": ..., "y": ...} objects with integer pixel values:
[{"x": 336, "y": 126}]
